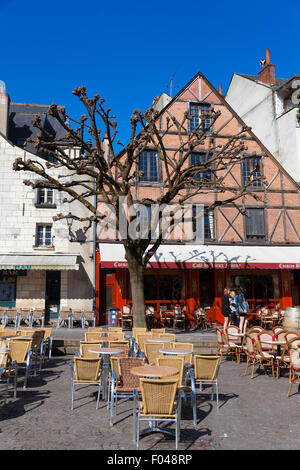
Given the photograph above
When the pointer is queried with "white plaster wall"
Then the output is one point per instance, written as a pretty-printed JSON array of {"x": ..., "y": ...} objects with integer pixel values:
[
  {"x": 289, "y": 143},
  {"x": 253, "y": 102},
  {"x": 18, "y": 219},
  {"x": 262, "y": 110}
]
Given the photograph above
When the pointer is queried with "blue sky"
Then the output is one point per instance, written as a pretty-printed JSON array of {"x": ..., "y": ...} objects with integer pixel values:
[{"x": 128, "y": 51}]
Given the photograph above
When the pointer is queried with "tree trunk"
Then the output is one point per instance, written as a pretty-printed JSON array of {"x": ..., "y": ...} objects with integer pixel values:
[{"x": 136, "y": 275}]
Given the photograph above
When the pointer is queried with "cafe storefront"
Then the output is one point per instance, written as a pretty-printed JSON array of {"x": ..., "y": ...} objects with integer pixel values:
[
  {"x": 35, "y": 281},
  {"x": 196, "y": 275}
]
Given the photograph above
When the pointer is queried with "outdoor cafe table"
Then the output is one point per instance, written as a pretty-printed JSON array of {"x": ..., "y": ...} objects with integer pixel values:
[
  {"x": 106, "y": 353},
  {"x": 274, "y": 343},
  {"x": 176, "y": 351},
  {"x": 159, "y": 340},
  {"x": 154, "y": 371}
]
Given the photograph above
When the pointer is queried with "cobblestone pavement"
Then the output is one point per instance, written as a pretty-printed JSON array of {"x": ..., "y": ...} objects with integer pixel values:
[{"x": 253, "y": 414}]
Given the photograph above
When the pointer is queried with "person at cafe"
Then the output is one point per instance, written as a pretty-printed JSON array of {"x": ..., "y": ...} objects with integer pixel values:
[
  {"x": 234, "y": 319},
  {"x": 225, "y": 308},
  {"x": 242, "y": 309}
]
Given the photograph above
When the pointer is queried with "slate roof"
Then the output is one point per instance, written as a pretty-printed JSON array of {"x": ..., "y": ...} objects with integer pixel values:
[{"x": 20, "y": 126}]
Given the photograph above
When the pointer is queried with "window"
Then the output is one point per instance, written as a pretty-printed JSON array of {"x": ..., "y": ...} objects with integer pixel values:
[
  {"x": 44, "y": 235},
  {"x": 206, "y": 226},
  {"x": 148, "y": 164},
  {"x": 196, "y": 110},
  {"x": 248, "y": 166},
  {"x": 45, "y": 197},
  {"x": 197, "y": 159},
  {"x": 255, "y": 224}
]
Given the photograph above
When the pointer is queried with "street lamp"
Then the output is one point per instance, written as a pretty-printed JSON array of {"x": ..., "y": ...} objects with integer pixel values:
[{"x": 70, "y": 222}]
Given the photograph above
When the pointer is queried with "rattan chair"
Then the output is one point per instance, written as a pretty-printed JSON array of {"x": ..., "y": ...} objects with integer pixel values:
[
  {"x": 5, "y": 371},
  {"x": 205, "y": 372},
  {"x": 21, "y": 357},
  {"x": 64, "y": 317},
  {"x": 89, "y": 316},
  {"x": 84, "y": 347},
  {"x": 229, "y": 348},
  {"x": 293, "y": 352},
  {"x": 48, "y": 342},
  {"x": 188, "y": 358},
  {"x": 160, "y": 402},
  {"x": 152, "y": 351},
  {"x": 115, "y": 329},
  {"x": 138, "y": 331},
  {"x": 12, "y": 316},
  {"x": 77, "y": 317},
  {"x": 140, "y": 343},
  {"x": 126, "y": 317},
  {"x": 93, "y": 335},
  {"x": 86, "y": 371},
  {"x": 38, "y": 316},
  {"x": 266, "y": 336},
  {"x": 265, "y": 359},
  {"x": 122, "y": 345},
  {"x": 2, "y": 315},
  {"x": 126, "y": 384},
  {"x": 178, "y": 318},
  {"x": 158, "y": 331},
  {"x": 25, "y": 317}
]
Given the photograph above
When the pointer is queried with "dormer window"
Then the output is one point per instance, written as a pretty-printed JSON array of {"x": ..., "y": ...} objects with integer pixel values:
[{"x": 197, "y": 113}]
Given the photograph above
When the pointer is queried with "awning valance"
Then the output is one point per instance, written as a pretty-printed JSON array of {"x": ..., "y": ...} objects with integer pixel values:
[
  {"x": 206, "y": 256},
  {"x": 38, "y": 261}
]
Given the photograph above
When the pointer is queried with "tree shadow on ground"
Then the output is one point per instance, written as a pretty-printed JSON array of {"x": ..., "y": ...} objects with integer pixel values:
[{"x": 16, "y": 407}]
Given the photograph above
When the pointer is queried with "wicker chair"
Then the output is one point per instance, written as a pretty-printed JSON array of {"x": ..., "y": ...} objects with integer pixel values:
[
  {"x": 206, "y": 369},
  {"x": 21, "y": 356},
  {"x": 158, "y": 403},
  {"x": 89, "y": 316},
  {"x": 152, "y": 351},
  {"x": 12, "y": 316},
  {"x": 86, "y": 371},
  {"x": 126, "y": 317},
  {"x": 38, "y": 315},
  {"x": 48, "y": 341},
  {"x": 231, "y": 331},
  {"x": 84, "y": 347},
  {"x": 127, "y": 383},
  {"x": 25, "y": 317},
  {"x": 64, "y": 317},
  {"x": 266, "y": 336},
  {"x": 265, "y": 359},
  {"x": 178, "y": 318},
  {"x": 122, "y": 345},
  {"x": 227, "y": 347},
  {"x": 77, "y": 317},
  {"x": 93, "y": 336},
  {"x": 293, "y": 352},
  {"x": 138, "y": 331},
  {"x": 188, "y": 358},
  {"x": 5, "y": 372},
  {"x": 2, "y": 315},
  {"x": 158, "y": 331}
]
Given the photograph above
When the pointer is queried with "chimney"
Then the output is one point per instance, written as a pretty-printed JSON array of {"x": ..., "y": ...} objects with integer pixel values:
[
  {"x": 220, "y": 90},
  {"x": 4, "y": 106},
  {"x": 267, "y": 73}
]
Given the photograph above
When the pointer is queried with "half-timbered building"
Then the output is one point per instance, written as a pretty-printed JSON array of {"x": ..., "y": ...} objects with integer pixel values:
[{"x": 257, "y": 247}]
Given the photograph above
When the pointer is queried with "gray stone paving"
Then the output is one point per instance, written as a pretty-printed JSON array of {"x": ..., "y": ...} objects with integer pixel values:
[{"x": 253, "y": 414}]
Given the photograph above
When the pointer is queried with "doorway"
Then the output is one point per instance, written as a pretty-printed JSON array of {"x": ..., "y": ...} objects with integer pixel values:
[{"x": 52, "y": 303}]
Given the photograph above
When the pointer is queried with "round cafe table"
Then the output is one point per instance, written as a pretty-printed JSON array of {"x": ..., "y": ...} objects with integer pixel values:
[
  {"x": 274, "y": 343},
  {"x": 175, "y": 351},
  {"x": 154, "y": 371},
  {"x": 106, "y": 353},
  {"x": 159, "y": 340}
]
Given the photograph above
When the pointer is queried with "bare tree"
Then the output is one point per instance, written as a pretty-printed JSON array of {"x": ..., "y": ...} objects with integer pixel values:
[{"x": 112, "y": 174}]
